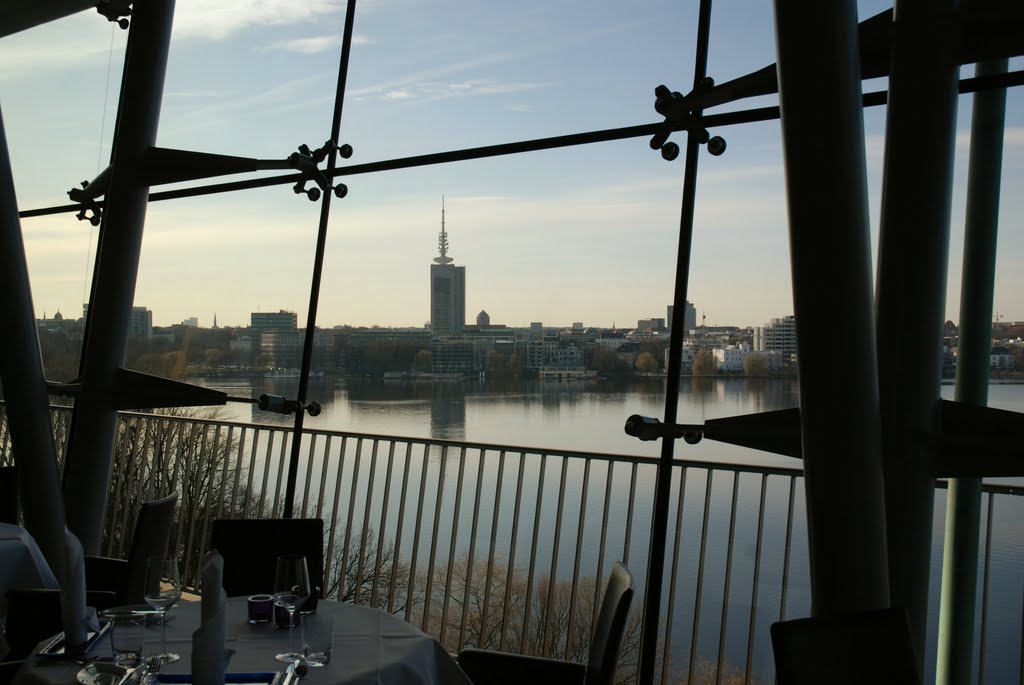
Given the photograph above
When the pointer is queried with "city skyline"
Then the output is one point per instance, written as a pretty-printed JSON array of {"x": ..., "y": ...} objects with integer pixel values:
[{"x": 584, "y": 234}]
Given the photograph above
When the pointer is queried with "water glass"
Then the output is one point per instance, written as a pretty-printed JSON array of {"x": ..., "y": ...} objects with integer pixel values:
[
  {"x": 127, "y": 633},
  {"x": 317, "y": 639}
]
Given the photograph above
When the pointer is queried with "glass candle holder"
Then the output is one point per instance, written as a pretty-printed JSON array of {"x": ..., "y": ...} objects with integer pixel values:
[{"x": 261, "y": 609}]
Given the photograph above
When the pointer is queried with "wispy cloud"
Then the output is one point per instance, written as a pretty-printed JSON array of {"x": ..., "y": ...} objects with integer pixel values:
[
  {"x": 428, "y": 91},
  {"x": 313, "y": 44},
  {"x": 218, "y": 19},
  {"x": 70, "y": 44}
]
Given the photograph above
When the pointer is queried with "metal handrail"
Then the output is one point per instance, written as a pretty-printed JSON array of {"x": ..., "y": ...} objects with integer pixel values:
[{"x": 496, "y": 545}]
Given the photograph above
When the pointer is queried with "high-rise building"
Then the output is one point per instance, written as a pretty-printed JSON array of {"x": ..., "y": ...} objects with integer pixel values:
[
  {"x": 140, "y": 321},
  {"x": 779, "y": 335},
  {"x": 689, "y": 320},
  {"x": 274, "y": 321},
  {"x": 140, "y": 325},
  {"x": 447, "y": 289}
]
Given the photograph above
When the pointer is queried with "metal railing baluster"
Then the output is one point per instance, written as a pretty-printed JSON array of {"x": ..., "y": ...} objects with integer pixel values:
[
  {"x": 310, "y": 456},
  {"x": 472, "y": 549},
  {"x": 512, "y": 551},
  {"x": 580, "y": 526},
  {"x": 451, "y": 549},
  {"x": 677, "y": 543},
  {"x": 266, "y": 474},
  {"x": 491, "y": 549},
  {"x": 323, "y": 478},
  {"x": 348, "y": 524},
  {"x": 787, "y": 547},
  {"x": 629, "y": 517},
  {"x": 382, "y": 525},
  {"x": 416, "y": 534},
  {"x": 700, "y": 577},
  {"x": 252, "y": 472},
  {"x": 282, "y": 461},
  {"x": 604, "y": 538},
  {"x": 533, "y": 552},
  {"x": 399, "y": 529},
  {"x": 553, "y": 575},
  {"x": 982, "y": 638},
  {"x": 334, "y": 524},
  {"x": 723, "y": 624},
  {"x": 433, "y": 538},
  {"x": 757, "y": 573},
  {"x": 361, "y": 562}
]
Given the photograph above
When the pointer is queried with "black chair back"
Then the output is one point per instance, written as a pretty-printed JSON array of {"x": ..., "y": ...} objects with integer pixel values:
[
  {"x": 149, "y": 539},
  {"x": 611, "y": 624},
  {"x": 846, "y": 649},
  {"x": 35, "y": 614},
  {"x": 250, "y": 548},
  {"x": 9, "y": 494}
]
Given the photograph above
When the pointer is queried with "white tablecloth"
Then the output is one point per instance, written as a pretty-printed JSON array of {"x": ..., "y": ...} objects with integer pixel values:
[
  {"x": 22, "y": 565},
  {"x": 371, "y": 647}
]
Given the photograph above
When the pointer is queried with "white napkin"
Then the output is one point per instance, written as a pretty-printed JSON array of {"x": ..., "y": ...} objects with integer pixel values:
[
  {"x": 79, "y": 620},
  {"x": 209, "y": 659}
]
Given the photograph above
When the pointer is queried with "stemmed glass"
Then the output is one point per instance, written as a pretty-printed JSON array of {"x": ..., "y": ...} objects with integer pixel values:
[
  {"x": 163, "y": 589},
  {"x": 291, "y": 589}
]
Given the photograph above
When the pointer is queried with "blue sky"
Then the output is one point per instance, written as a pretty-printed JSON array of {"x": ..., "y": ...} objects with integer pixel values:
[{"x": 585, "y": 234}]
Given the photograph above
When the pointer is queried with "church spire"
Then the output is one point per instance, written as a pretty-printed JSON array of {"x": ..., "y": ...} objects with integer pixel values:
[{"x": 442, "y": 241}]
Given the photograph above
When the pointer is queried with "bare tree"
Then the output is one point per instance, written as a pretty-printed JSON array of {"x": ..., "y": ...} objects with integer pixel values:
[{"x": 365, "y": 573}]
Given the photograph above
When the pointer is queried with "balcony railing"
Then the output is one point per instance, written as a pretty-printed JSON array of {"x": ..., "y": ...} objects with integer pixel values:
[{"x": 505, "y": 547}]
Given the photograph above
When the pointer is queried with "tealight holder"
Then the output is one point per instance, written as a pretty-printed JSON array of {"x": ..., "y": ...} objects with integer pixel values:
[{"x": 261, "y": 608}]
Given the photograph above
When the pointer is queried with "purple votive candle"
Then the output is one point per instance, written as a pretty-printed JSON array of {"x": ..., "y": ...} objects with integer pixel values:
[
  {"x": 281, "y": 617},
  {"x": 260, "y": 608}
]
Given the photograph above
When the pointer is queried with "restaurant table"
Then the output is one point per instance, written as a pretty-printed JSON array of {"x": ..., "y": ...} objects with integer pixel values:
[{"x": 370, "y": 647}]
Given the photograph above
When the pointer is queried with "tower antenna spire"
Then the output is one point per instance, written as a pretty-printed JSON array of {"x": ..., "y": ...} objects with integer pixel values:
[{"x": 442, "y": 241}]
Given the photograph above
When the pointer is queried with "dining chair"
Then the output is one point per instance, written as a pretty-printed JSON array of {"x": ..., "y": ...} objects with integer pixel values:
[
  {"x": 485, "y": 666},
  {"x": 35, "y": 614},
  {"x": 250, "y": 548},
  {"x": 9, "y": 494},
  {"x": 127, "y": 577},
  {"x": 846, "y": 649}
]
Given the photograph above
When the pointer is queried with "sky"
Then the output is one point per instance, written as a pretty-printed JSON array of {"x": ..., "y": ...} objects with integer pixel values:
[{"x": 584, "y": 234}]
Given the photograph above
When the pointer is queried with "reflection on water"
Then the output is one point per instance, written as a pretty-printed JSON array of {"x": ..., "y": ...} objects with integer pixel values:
[{"x": 583, "y": 416}]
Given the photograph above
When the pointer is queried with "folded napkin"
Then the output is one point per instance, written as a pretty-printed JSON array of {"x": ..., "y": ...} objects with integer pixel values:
[
  {"x": 209, "y": 659},
  {"x": 79, "y": 620}
]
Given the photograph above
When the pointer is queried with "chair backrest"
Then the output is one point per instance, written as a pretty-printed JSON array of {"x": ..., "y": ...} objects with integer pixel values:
[
  {"x": 9, "y": 494},
  {"x": 250, "y": 548},
  {"x": 35, "y": 614},
  {"x": 863, "y": 647},
  {"x": 611, "y": 624},
  {"x": 149, "y": 539}
]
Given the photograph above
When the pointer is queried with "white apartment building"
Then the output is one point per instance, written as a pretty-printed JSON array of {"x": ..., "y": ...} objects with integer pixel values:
[{"x": 779, "y": 335}]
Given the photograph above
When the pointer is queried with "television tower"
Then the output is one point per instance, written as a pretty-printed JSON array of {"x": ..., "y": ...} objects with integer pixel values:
[{"x": 442, "y": 241}]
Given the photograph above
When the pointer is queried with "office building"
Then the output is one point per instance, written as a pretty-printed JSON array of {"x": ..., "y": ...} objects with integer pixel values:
[
  {"x": 281, "y": 320},
  {"x": 447, "y": 290},
  {"x": 779, "y": 335}
]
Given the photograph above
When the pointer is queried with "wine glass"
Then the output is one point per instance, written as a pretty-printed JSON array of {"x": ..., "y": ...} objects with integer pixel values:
[
  {"x": 291, "y": 589},
  {"x": 163, "y": 589}
]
